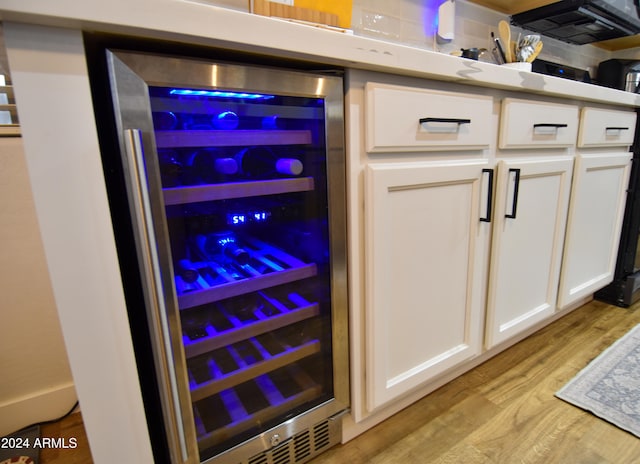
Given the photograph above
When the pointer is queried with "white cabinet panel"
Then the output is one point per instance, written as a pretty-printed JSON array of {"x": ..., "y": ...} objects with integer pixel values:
[
  {"x": 526, "y": 249},
  {"x": 595, "y": 220},
  {"x": 532, "y": 124},
  {"x": 601, "y": 128},
  {"x": 411, "y": 119},
  {"x": 422, "y": 228}
]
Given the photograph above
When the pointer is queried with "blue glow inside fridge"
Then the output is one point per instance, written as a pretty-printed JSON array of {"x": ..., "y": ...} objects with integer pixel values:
[{"x": 234, "y": 177}]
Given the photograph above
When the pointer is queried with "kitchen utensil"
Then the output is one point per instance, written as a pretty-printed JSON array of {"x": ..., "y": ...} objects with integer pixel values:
[
  {"x": 536, "y": 52},
  {"x": 526, "y": 46},
  {"x": 471, "y": 53},
  {"x": 505, "y": 36},
  {"x": 501, "y": 58}
]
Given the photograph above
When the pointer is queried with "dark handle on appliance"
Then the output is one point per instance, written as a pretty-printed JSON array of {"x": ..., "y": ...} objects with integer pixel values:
[
  {"x": 553, "y": 125},
  {"x": 516, "y": 185},
  {"x": 487, "y": 218},
  {"x": 448, "y": 120},
  {"x": 616, "y": 128}
]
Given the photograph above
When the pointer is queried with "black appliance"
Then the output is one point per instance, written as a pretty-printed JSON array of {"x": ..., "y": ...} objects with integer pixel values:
[
  {"x": 560, "y": 70},
  {"x": 620, "y": 74},
  {"x": 625, "y": 288},
  {"x": 583, "y": 21}
]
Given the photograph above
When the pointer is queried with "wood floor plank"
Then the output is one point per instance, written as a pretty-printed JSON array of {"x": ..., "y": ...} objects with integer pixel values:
[
  {"x": 502, "y": 412},
  {"x": 526, "y": 423}
]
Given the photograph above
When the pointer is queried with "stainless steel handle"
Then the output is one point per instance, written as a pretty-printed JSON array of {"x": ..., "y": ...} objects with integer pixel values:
[{"x": 154, "y": 295}]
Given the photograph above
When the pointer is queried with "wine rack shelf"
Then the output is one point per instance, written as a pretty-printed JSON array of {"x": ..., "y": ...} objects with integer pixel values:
[
  {"x": 269, "y": 314},
  {"x": 268, "y": 267},
  {"x": 233, "y": 412},
  {"x": 230, "y": 190},
  {"x": 12, "y": 129},
  {"x": 230, "y": 138},
  {"x": 248, "y": 366}
]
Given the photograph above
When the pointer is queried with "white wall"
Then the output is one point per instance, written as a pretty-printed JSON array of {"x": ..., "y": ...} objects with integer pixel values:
[
  {"x": 62, "y": 155},
  {"x": 36, "y": 382},
  {"x": 35, "y": 379}
]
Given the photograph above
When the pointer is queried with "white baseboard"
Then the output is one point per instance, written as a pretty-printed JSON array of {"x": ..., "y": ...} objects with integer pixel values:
[{"x": 40, "y": 406}]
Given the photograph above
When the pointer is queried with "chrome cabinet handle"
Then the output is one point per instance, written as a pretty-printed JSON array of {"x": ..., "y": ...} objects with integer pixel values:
[
  {"x": 487, "y": 218},
  {"x": 516, "y": 186}
]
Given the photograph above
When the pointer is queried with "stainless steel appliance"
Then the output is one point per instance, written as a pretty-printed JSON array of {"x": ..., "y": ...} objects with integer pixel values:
[
  {"x": 234, "y": 177},
  {"x": 620, "y": 74},
  {"x": 583, "y": 21}
]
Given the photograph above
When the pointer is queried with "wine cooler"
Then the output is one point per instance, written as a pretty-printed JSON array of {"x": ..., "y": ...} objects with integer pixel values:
[{"x": 234, "y": 177}]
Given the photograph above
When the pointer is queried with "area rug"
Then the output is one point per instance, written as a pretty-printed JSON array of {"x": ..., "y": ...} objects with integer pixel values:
[
  {"x": 19, "y": 448},
  {"x": 609, "y": 386}
]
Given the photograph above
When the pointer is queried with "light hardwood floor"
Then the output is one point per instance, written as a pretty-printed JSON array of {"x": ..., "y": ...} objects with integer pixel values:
[{"x": 501, "y": 412}]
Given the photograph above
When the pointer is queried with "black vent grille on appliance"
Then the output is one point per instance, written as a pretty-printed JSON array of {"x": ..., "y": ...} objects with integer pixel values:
[{"x": 583, "y": 21}]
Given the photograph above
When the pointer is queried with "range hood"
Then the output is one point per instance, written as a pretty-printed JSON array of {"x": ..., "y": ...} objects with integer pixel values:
[{"x": 583, "y": 21}]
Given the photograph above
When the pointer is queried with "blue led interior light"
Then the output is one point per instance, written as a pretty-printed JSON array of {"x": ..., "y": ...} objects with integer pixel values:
[{"x": 219, "y": 93}]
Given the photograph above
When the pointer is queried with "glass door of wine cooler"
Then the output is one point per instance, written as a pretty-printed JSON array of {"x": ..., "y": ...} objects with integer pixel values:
[{"x": 236, "y": 188}]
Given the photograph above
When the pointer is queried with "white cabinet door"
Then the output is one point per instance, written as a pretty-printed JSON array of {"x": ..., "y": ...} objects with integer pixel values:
[
  {"x": 527, "y": 242},
  {"x": 595, "y": 219},
  {"x": 423, "y": 238}
]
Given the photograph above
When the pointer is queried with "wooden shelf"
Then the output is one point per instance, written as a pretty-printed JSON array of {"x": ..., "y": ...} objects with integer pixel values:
[
  {"x": 10, "y": 130},
  {"x": 241, "y": 420},
  {"x": 268, "y": 267},
  {"x": 283, "y": 315},
  {"x": 510, "y": 7},
  {"x": 622, "y": 43},
  {"x": 229, "y": 190},
  {"x": 230, "y": 138},
  {"x": 246, "y": 371}
]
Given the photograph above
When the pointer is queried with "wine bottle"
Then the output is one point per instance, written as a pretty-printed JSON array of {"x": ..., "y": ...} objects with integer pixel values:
[
  {"x": 227, "y": 120},
  {"x": 222, "y": 244},
  {"x": 187, "y": 271},
  {"x": 164, "y": 120},
  {"x": 210, "y": 166},
  {"x": 262, "y": 163},
  {"x": 171, "y": 170}
]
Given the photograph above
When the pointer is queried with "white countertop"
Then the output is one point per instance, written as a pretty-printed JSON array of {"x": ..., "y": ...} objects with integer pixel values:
[{"x": 204, "y": 24}]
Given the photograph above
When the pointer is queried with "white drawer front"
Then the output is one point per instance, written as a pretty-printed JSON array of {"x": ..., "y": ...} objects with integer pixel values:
[
  {"x": 411, "y": 119},
  {"x": 602, "y": 128},
  {"x": 530, "y": 124}
]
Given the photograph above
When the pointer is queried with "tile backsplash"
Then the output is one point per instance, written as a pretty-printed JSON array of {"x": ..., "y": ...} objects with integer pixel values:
[{"x": 413, "y": 23}]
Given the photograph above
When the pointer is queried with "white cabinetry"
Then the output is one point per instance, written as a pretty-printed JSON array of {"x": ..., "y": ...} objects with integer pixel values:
[
  {"x": 532, "y": 198},
  {"x": 462, "y": 237},
  {"x": 423, "y": 236},
  {"x": 598, "y": 195},
  {"x": 531, "y": 205}
]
